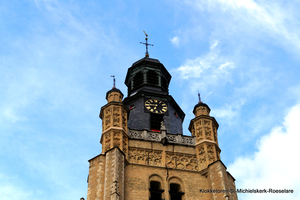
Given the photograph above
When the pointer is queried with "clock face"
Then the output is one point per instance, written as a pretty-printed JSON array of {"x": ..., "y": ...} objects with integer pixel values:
[{"x": 156, "y": 106}]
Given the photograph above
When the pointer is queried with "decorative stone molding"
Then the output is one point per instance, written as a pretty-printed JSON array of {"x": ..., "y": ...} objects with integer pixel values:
[
  {"x": 181, "y": 161},
  {"x": 172, "y": 138},
  {"x": 188, "y": 140},
  {"x": 155, "y": 158},
  {"x": 135, "y": 134},
  {"x": 155, "y": 136},
  {"x": 145, "y": 156}
]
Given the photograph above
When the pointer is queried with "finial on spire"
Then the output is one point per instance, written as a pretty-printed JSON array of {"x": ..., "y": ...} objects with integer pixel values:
[
  {"x": 114, "y": 81},
  {"x": 147, "y": 54},
  {"x": 199, "y": 97}
]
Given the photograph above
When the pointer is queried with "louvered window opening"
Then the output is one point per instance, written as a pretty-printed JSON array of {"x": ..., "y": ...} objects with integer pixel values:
[
  {"x": 152, "y": 78},
  {"x": 164, "y": 84},
  {"x": 138, "y": 80}
]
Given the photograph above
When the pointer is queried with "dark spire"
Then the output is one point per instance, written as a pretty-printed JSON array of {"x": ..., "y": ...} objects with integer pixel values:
[
  {"x": 146, "y": 44},
  {"x": 114, "y": 86},
  {"x": 199, "y": 97},
  {"x": 200, "y": 103},
  {"x": 114, "y": 89}
]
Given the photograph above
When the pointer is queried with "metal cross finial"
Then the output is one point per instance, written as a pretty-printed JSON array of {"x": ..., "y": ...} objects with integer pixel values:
[
  {"x": 114, "y": 81},
  {"x": 147, "y": 54},
  {"x": 199, "y": 97}
]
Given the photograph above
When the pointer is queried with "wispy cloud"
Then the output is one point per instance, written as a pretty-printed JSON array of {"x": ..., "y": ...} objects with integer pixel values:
[
  {"x": 260, "y": 18},
  {"x": 175, "y": 40},
  {"x": 212, "y": 67},
  {"x": 214, "y": 44}
]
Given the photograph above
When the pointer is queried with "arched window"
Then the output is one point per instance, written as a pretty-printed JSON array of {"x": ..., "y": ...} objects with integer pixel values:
[
  {"x": 155, "y": 190},
  {"x": 152, "y": 78},
  {"x": 175, "y": 191},
  {"x": 138, "y": 80}
]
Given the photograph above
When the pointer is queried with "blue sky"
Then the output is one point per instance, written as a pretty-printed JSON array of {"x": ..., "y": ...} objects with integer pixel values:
[{"x": 56, "y": 59}]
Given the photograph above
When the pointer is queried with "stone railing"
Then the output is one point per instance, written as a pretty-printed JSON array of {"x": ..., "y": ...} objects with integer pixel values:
[{"x": 156, "y": 136}]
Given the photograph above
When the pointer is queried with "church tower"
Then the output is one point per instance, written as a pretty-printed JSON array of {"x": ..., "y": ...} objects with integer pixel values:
[{"x": 145, "y": 154}]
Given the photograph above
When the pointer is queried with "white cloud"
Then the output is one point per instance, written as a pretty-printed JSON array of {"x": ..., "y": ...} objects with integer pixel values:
[
  {"x": 275, "y": 164},
  {"x": 253, "y": 17},
  {"x": 227, "y": 111},
  {"x": 213, "y": 68},
  {"x": 175, "y": 41},
  {"x": 213, "y": 45}
]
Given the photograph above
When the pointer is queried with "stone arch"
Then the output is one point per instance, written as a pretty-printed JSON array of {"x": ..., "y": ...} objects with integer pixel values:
[
  {"x": 176, "y": 185},
  {"x": 156, "y": 187}
]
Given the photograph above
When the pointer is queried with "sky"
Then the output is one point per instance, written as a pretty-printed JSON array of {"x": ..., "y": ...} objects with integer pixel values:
[{"x": 56, "y": 62}]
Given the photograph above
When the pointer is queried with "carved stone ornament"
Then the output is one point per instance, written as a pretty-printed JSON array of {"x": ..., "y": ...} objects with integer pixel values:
[
  {"x": 145, "y": 156},
  {"x": 206, "y": 123},
  {"x": 162, "y": 126},
  {"x": 125, "y": 144},
  {"x": 115, "y": 188},
  {"x": 107, "y": 141},
  {"x": 136, "y": 134},
  {"x": 172, "y": 138},
  {"x": 117, "y": 139},
  {"x": 202, "y": 158},
  {"x": 215, "y": 134},
  {"x": 116, "y": 118},
  {"x": 210, "y": 152},
  {"x": 202, "y": 155},
  {"x": 154, "y": 136},
  {"x": 107, "y": 118},
  {"x": 218, "y": 156},
  {"x": 124, "y": 120},
  {"x": 188, "y": 140},
  {"x": 181, "y": 161}
]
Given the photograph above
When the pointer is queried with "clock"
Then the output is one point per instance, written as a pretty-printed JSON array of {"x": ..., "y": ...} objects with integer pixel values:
[{"x": 156, "y": 106}]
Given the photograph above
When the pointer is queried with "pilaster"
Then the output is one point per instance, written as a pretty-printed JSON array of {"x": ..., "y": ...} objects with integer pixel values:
[{"x": 114, "y": 175}]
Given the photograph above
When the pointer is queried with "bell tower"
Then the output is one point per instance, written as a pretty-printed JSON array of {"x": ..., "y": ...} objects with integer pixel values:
[{"x": 145, "y": 153}]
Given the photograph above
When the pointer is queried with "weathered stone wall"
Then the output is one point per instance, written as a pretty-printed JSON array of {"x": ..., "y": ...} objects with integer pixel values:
[
  {"x": 137, "y": 182},
  {"x": 114, "y": 175},
  {"x": 96, "y": 178},
  {"x": 151, "y": 160},
  {"x": 233, "y": 195},
  {"x": 148, "y": 158},
  {"x": 218, "y": 178}
]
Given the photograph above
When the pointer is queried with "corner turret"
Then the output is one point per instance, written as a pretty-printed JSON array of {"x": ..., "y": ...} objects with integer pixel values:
[{"x": 204, "y": 128}]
